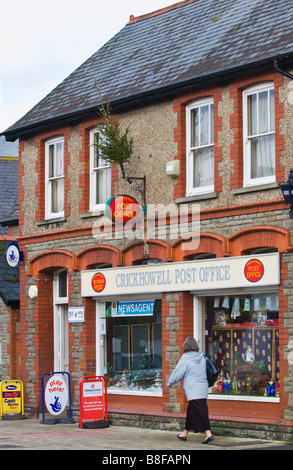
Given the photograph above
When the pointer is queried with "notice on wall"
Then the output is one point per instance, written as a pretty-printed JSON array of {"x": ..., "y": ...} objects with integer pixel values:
[{"x": 76, "y": 314}]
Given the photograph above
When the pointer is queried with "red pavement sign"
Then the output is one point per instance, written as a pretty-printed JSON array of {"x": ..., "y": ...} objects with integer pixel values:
[{"x": 93, "y": 402}]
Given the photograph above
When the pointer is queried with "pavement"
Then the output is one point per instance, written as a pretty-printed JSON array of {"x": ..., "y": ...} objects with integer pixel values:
[{"x": 119, "y": 442}]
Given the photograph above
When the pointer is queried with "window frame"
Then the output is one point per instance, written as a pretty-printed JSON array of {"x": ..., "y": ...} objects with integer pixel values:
[
  {"x": 247, "y": 179},
  {"x": 49, "y": 214},
  {"x": 190, "y": 189},
  {"x": 94, "y": 207}
]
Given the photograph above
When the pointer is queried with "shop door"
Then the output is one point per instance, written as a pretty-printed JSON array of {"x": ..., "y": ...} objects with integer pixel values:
[
  {"x": 101, "y": 340},
  {"x": 61, "y": 359},
  {"x": 198, "y": 322},
  {"x": 61, "y": 347}
]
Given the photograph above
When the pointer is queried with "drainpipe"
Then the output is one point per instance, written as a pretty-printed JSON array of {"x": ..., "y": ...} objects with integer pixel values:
[{"x": 276, "y": 67}]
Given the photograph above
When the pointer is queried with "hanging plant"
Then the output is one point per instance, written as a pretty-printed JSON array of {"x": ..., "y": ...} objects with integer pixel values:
[{"x": 114, "y": 145}]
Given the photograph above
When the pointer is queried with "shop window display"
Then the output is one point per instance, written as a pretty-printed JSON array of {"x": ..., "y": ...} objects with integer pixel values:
[
  {"x": 134, "y": 352},
  {"x": 242, "y": 337}
]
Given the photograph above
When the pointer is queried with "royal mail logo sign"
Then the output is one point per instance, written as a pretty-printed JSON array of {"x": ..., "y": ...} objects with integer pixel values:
[{"x": 98, "y": 282}]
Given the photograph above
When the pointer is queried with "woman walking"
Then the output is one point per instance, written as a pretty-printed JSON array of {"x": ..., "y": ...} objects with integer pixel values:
[{"x": 191, "y": 368}]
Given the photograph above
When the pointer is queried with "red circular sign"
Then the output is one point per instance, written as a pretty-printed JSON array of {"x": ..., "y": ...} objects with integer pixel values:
[
  {"x": 98, "y": 282},
  {"x": 122, "y": 208},
  {"x": 254, "y": 270}
]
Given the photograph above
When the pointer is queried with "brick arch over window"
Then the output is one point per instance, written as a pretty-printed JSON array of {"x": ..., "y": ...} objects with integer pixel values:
[
  {"x": 160, "y": 250},
  {"x": 134, "y": 253},
  {"x": 94, "y": 255},
  {"x": 205, "y": 243},
  {"x": 259, "y": 237},
  {"x": 52, "y": 260}
]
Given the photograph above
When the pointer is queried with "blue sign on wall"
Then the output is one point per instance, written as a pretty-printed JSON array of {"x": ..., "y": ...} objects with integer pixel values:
[{"x": 127, "y": 309}]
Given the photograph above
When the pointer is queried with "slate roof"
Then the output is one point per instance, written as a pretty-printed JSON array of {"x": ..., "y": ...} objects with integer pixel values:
[
  {"x": 9, "y": 277},
  {"x": 8, "y": 149},
  {"x": 186, "y": 43},
  {"x": 8, "y": 183}
]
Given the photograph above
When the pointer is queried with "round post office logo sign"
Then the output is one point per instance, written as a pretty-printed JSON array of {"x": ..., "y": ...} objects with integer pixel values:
[
  {"x": 56, "y": 395},
  {"x": 254, "y": 270}
]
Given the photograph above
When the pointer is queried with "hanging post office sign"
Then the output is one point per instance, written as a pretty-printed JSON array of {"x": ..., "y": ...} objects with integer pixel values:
[
  {"x": 223, "y": 273},
  {"x": 122, "y": 209}
]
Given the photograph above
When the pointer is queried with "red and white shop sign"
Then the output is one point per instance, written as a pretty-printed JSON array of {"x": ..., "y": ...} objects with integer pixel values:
[{"x": 93, "y": 399}]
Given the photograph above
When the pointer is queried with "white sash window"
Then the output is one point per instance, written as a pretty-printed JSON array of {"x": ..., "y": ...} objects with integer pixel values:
[
  {"x": 100, "y": 179},
  {"x": 259, "y": 135},
  {"x": 54, "y": 176},
  {"x": 200, "y": 147}
]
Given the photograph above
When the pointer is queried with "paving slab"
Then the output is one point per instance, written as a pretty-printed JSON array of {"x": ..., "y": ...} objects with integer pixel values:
[{"x": 30, "y": 434}]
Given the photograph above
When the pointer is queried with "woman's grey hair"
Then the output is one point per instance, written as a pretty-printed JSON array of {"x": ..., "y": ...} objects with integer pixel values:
[{"x": 190, "y": 344}]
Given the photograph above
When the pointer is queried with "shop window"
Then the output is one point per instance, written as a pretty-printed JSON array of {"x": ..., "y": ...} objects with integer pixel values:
[
  {"x": 242, "y": 337},
  {"x": 134, "y": 347}
]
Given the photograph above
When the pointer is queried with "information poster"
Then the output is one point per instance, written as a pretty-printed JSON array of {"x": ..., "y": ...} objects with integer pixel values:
[{"x": 93, "y": 400}]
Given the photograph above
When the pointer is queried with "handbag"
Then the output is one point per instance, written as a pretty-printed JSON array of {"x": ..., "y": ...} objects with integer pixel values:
[{"x": 213, "y": 371}]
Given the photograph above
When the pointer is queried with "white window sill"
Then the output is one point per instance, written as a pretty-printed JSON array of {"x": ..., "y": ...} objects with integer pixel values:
[
  {"x": 127, "y": 391},
  {"x": 259, "y": 187},
  {"x": 255, "y": 398},
  {"x": 196, "y": 197},
  {"x": 55, "y": 220}
]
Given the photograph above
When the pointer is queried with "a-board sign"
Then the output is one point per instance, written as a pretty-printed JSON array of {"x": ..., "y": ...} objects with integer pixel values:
[
  {"x": 11, "y": 399},
  {"x": 93, "y": 401},
  {"x": 56, "y": 395}
]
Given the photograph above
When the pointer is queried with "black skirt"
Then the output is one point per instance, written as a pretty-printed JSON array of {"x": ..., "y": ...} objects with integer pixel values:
[{"x": 197, "y": 417}]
